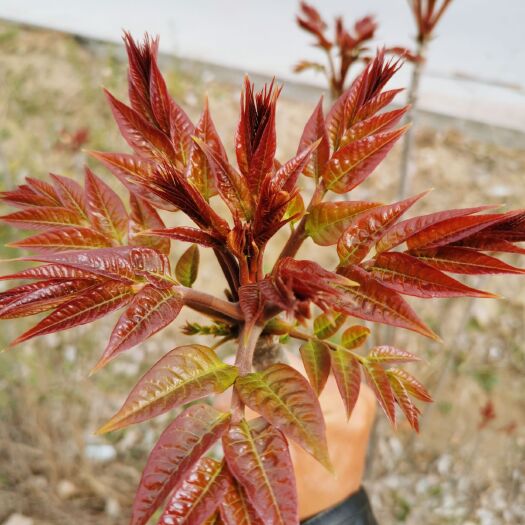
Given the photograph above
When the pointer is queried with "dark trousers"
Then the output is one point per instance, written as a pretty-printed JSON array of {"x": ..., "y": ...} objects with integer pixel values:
[{"x": 354, "y": 510}]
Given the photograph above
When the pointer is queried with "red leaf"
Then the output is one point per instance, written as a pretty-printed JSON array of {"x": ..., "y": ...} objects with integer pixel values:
[
  {"x": 403, "y": 230},
  {"x": 354, "y": 337},
  {"x": 412, "y": 385},
  {"x": 408, "y": 275},
  {"x": 380, "y": 384},
  {"x": 94, "y": 303},
  {"x": 185, "y": 374},
  {"x": 40, "y": 297},
  {"x": 258, "y": 457},
  {"x": 198, "y": 495},
  {"x": 151, "y": 310},
  {"x": 232, "y": 187},
  {"x": 316, "y": 361},
  {"x": 179, "y": 447},
  {"x": 284, "y": 398},
  {"x": 403, "y": 400},
  {"x": 199, "y": 172},
  {"x": 45, "y": 189},
  {"x": 452, "y": 230},
  {"x": 327, "y": 221},
  {"x": 366, "y": 229},
  {"x": 63, "y": 239},
  {"x": 465, "y": 261},
  {"x": 188, "y": 234},
  {"x": 42, "y": 218},
  {"x": 105, "y": 209},
  {"x": 182, "y": 130},
  {"x": 50, "y": 271},
  {"x": 255, "y": 139},
  {"x": 236, "y": 509},
  {"x": 71, "y": 194},
  {"x": 347, "y": 373},
  {"x": 374, "y": 302},
  {"x": 286, "y": 176},
  {"x": 352, "y": 164},
  {"x": 144, "y": 217},
  {"x": 389, "y": 354},
  {"x": 314, "y": 130},
  {"x": 158, "y": 95},
  {"x": 139, "y": 134},
  {"x": 23, "y": 196}
]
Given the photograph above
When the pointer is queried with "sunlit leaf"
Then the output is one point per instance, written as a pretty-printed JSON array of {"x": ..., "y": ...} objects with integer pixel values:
[
  {"x": 390, "y": 354},
  {"x": 182, "y": 375},
  {"x": 316, "y": 361},
  {"x": 178, "y": 449},
  {"x": 284, "y": 398},
  {"x": 378, "y": 381},
  {"x": 347, "y": 373},
  {"x": 354, "y": 336},
  {"x": 258, "y": 457},
  {"x": 327, "y": 324},
  {"x": 236, "y": 508}
]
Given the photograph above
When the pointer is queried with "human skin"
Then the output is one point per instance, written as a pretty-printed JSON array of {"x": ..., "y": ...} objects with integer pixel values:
[{"x": 318, "y": 489}]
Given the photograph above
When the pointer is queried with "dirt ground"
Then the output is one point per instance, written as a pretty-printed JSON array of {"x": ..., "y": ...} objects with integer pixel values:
[{"x": 54, "y": 471}]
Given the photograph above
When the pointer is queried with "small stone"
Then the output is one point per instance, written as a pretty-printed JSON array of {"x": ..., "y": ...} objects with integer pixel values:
[
  {"x": 100, "y": 452},
  {"x": 66, "y": 489},
  {"x": 112, "y": 508},
  {"x": 19, "y": 519}
]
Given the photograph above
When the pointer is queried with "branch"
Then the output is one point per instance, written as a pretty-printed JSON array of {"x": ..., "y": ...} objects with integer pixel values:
[{"x": 211, "y": 306}]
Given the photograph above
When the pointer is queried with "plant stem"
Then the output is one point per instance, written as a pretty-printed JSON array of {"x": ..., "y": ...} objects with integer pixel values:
[
  {"x": 211, "y": 305},
  {"x": 243, "y": 361},
  {"x": 298, "y": 236},
  {"x": 408, "y": 142},
  {"x": 230, "y": 269}
]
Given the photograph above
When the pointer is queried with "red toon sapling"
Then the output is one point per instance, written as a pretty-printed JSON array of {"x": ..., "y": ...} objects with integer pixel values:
[
  {"x": 97, "y": 254},
  {"x": 346, "y": 48}
]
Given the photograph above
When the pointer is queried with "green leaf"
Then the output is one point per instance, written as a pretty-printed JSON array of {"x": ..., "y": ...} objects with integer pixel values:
[
  {"x": 178, "y": 449},
  {"x": 258, "y": 457},
  {"x": 316, "y": 361},
  {"x": 182, "y": 375},
  {"x": 187, "y": 267},
  {"x": 327, "y": 325},
  {"x": 347, "y": 373},
  {"x": 327, "y": 221},
  {"x": 284, "y": 398},
  {"x": 355, "y": 336}
]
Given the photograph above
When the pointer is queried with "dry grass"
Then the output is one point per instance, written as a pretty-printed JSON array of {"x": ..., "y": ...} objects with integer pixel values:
[{"x": 452, "y": 473}]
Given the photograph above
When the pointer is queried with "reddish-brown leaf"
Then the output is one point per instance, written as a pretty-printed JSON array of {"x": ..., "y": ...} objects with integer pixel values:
[
  {"x": 236, "y": 508},
  {"x": 374, "y": 302},
  {"x": 403, "y": 400},
  {"x": 452, "y": 230},
  {"x": 284, "y": 398},
  {"x": 352, "y": 164},
  {"x": 286, "y": 176},
  {"x": 316, "y": 360},
  {"x": 315, "y": 130},
  {"x": 378, "y": 381},
  {"x": 182, "y": 375},
  {"x": 390, "y": 354},
  {"x": 198, "y": 495},
  {"x": 199, "y": 172},
  {"x": 182, "y": 130},
  {"x": 63, "y": 239},
  {"x": 403, "y": 230},
  {"x": 409, "y": 275},
  {"x": 50, "y": 271},
  {"x": 327, "y": 324},
  {"x": 94, "y": 303},
  {"x": 151, "y": 310},
  {"x": 327, "y": 221},
  {"x": 465, "y": 261},
  {"x": 412, "y": 385},
  {"x": 188, "y": 234},
  {"x": 355, "y": 336},
  {"x": 347, "y": 373},
  {"x": 71, "y": 194},
  {"x": 365, "y": 229},
  {"x": 257, "y": 455},
  {"x": 179, "y": 447},
  {"x": 144, "y": 138},
  {"x": 44, "y": 217},
  {"x": 105, "y": 208},
  {"x": 144, "y": 217},
  {"x": 40, "y": 297}
]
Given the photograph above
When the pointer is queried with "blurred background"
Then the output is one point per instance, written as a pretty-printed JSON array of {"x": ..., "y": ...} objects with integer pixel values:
[{"x": 467, "y": 466}]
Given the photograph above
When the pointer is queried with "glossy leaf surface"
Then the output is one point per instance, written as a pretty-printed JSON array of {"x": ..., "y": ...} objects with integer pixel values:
[{"x": 316, "y": 361}]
